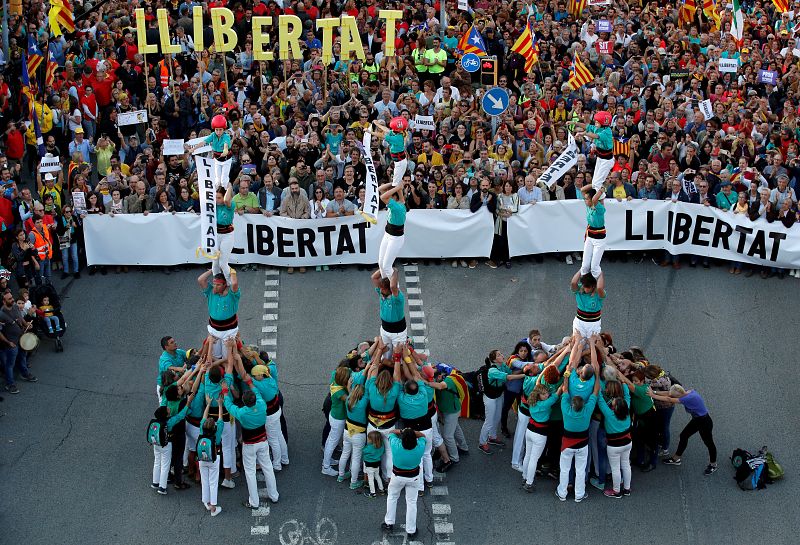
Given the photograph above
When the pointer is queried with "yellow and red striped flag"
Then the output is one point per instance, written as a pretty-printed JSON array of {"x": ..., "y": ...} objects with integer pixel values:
[
  {"x": 781, "y": 5},
  {"x": 686, "y": 12},
  {"x": 60, "y": 15},
  {"x": 576, "y": 7},
  {"x": 527, "y": 46},
  {"x": 579, "y": 75},
  {"x": 622, "y": 145},
  {"x": 711, "y": 13},
  {"x": 50, "y": 74}
]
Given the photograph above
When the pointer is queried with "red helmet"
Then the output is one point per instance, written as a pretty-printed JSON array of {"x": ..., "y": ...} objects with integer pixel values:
[
  {"x": 219, "y": 122},
  {"x": 399, "y": 124},
  {"x": 603, "y": 119}
]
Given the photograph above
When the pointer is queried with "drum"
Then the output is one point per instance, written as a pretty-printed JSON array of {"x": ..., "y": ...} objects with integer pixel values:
[{"x": 29, "y": 341}]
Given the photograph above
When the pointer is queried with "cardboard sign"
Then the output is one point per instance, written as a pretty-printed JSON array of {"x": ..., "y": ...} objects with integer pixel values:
[
  {"x": 50, "y": 164},
  {"x": 599, "y": 2},
  {"x": 463, "y": 5},
  {"x": 131, "y": 118},
  {"x": 729, "y": 65},
  {"x": 424, "y": 122},
  {"x": 605, "y": 48},
  {"x": 173, "y": 147},
  {"x": 679, "y": 74},
  {"x": 768, "y": 76},
  {"x": 706, "y": 109},
  {"x": 79, "y": 201},
  {"x": 604, "y": 26}
]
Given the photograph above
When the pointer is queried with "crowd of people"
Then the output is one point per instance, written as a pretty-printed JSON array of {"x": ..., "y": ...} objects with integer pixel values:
[{"x": 294, "y": 126}]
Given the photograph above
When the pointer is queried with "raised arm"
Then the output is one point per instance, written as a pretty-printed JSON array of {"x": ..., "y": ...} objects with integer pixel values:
[
  {"x": 394, "y": 283},
  {"x": 234, "y": 281},
  {"x": 387, "y": 195},
  {"x": 573, "y": 284},
  {"x": 576, "y": 350},
  {"x": 601, "y": 285},
  {"x": 202, "y": 280},
  {"x": 228, "y": 195}
]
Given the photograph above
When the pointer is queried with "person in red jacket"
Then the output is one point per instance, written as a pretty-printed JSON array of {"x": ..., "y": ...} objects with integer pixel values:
[
  {"x": 102, "y": 83},
  {"x": 15, "y": 143}
]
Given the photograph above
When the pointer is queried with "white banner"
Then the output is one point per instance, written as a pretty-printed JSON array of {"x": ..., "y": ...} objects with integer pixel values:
[
  {"x": 50, "y": 164},
  {"x": 201, "y": 149},
  {"x": 371, "y": 197},
  {"x": 173, "y": 147},
  {"x": 565, "y": 161},
  {"x": 79, "y": 201},
  {"x": 707, "y": 109},
  {"x": 207, "y": 186},
  {"x": 131, "y": 118},
  {"x": 681, "y": 228},
  {"x": 167, "y": 239},
  {"x": 463, "y": 5},
  {"x": 599, "y": 2},
  {"x": 424, "y": 123}
]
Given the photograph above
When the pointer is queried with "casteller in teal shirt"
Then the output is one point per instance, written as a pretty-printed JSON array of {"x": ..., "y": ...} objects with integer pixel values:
[
  {"x": 406, "y": 459},
  {"x": 596, "y": 216},
  {"x": 222, "y": 307},
  {"x": 396, "y": 141},
  {"x": 224, "y": 214},
  {"x": 397, "y": 212},
  {"x": 604, "y": 140},
  {"x": 168, "y": 360}
]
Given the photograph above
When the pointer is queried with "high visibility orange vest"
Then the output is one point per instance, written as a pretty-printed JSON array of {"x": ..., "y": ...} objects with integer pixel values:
[{"x": 43, "y": 244}]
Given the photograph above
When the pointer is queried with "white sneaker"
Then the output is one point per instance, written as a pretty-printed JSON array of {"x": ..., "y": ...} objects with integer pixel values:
[
  {"x": 464, "y": 264},
  {"x": 207, "y": 506},
  {"x": 330, "y": 472},
  {"x": 516, "y": 467},
  {"x": 663, "y": 453},
  {"x": 578, "y": 256},
  {"x": 216, "y": 511},
  {"x": 569, "y": 259},
  {"x": 227, "y": 483}
]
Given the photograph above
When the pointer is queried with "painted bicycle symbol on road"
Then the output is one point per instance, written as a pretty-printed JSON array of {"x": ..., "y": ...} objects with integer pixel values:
[{"x": 293, "y": 532}]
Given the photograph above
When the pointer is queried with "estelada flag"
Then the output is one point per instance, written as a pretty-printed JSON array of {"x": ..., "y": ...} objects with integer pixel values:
[
  {"x": 527, "y": 46},
  {"x": 472, "y": 42}
]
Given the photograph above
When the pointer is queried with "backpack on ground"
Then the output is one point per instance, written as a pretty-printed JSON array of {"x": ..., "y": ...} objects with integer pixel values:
[
  {"x": 206, "y": 449},
  {"x": 751, "y": 470},
  {"x": 774, "y": 469},
  {"x": 157, "y": 433}
]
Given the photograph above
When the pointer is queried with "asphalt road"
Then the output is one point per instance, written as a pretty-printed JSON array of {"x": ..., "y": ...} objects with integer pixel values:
[{"x": 75, "y": 466}]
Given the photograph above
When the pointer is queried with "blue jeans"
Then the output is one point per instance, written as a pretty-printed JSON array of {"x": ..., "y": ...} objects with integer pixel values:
[
  {"x": 70, "y": 255},
  {"x": 665, "y": 416},
  {"x": 598, "y": 444},
  {"x": 14, "y": 358},
  {"x": 44, "y": 273}
]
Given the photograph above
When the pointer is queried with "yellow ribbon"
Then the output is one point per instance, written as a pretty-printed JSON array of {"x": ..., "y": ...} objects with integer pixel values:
[{"x": 202, "y": 252}]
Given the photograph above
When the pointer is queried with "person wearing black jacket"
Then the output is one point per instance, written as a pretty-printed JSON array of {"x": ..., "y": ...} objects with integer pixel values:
[{"x": 484, "y": 197}]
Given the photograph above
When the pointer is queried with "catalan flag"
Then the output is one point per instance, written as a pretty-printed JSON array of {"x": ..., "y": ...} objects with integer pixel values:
[
  {"x": 622, "y": 145},
  {"x": 472, "y": 42},
  {"x": 576, "y": 7},
  {"x": 782, "y": 6},
  {"x": 686, "y": 12},
  {"x": 60, "y": 15},
  {"x": 35, "y": 55},
  {"x": 527, "y": 45},
  {"x": 28, "y": 92},
  {"x": 736, "y": 175},
  {"x": 579, "y": 75},
  {"x": 50, "y": 73},
  {"x": 711, "y": 13}
]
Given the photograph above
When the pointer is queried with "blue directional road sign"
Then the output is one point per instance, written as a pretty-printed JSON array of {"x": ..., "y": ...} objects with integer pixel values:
[
  {"x": 471, "y": 62},
  {"x": 495, "y": 101}
]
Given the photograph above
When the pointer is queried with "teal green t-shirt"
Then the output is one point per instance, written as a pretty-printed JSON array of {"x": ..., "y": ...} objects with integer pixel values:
[
  {"x": 222, "y": 307},
  {"x": 541, "y": 410},
  {"x": 577, "y": 421},
  {"x": 397, "y": 212},
  {"x": 371, "y": 453},
  {"x": 605, "y": 140},
  {"x": 397, "y": 142},
  {"x": 588, "y": 302},
  {"x": 376, "y": 399},
  {"x": 393, "y": 309},
  {"x": 406, "y": 459},
  {"x": 413, "y": 406},
  {"x": 358, "y": 413},
  {"x": 224, "y": 214},
  {"x": 218, "y": 142},
  {"x": 596, "y": 217},
  {"x": 167, "y": 360}
]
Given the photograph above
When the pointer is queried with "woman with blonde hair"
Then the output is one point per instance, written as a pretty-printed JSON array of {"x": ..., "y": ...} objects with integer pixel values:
[{"x": 355, "y": 434}]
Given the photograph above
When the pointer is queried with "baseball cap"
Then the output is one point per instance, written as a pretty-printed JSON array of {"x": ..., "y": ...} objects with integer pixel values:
[
  {"x": 79, "y": 130},
  {"x": 48, "y": 177}
]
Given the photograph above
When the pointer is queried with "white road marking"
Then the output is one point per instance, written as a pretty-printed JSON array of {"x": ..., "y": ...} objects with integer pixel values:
[
  {"x": 443, "y": 527},
  {"x": 272, "y": 272},
  {"x": 259, "y": 530},
  {"x": 260, "y": 512},
  {"x": 416, "y": 315},
  {"x": 441, "y": 508},
  {"x": 413, "y": 291},
  {"x": 270, "y": 317},
  {"x": 271, "y": 305},
  {"x": 269, "y": 329},
  {"x": 439, "y": 491},
  {"x": 272, "y": 282},
  {"x": 269, "y": 342},
  {"x": 271, "y": 294}
]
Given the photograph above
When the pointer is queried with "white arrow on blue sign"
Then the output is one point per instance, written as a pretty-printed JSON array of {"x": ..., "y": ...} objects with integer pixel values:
[
  {"x": 471, "y": 62},
  {"x": 495, "y": 101}
]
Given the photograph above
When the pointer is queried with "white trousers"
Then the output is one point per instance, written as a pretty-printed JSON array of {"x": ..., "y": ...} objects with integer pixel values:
[
  {"x": 437, "y": 437},
  {"x": 534, "y": 446},
  {"x": 335, "y": 435},
  {"x": 392, "y": 339},
  {"x": 220, "y": 265},
  {"x": 518, "y": 450},
  {"x": 218, "y": 349},
  {"x": 396, "y": 486},
  {"x": 373, "y": 477},
  {"x": 400, "y": 168},
  {"x": 192, "y": 434},
  {"x": 229, "y": 446},
  {"x": 602, "y": 168},
  {"x": 162, "y": 456},
  {"x": 427, "y": 460},
  {"x": 492, "y": 410},
  {"x": 209, "y": 480},
  {"x": 277, "y": 443},
  {"x": 352, "y": 445},
  {"x": 619, "y": 458},
  {"x": 586, "y": 329},
  {"x": 386, "y": 460},
  {"x": 389, "y": 250},
  {"x": 219, "y": 173},
  {"x": 258, "y": 454},
  {"x": 593, "y": 249},
  {"x": 581, "y": 455},
  {"x": 453, "y": 436}
]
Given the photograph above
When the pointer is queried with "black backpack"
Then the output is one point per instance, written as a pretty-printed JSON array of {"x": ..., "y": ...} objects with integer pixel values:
[
  {"x": 485, "y": 387},
  {"x": 751, "y": 470}
]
